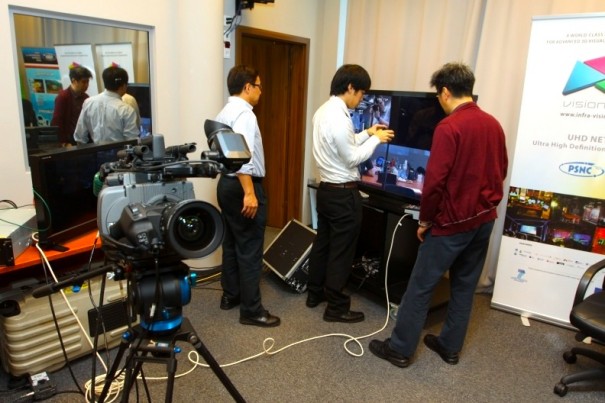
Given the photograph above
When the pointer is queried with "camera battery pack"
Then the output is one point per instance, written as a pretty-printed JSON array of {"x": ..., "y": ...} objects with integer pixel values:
[{"x": 16, "y": 227}]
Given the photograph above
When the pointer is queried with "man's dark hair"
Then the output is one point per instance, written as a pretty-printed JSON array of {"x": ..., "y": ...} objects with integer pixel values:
[
  {"x": 352, "y": 74},
  {"x": 239, "y": 76},
  {"x": 114, "y": 77},
  {"x": 458, "y": 78},
  {"x": 77, "y": 73}
]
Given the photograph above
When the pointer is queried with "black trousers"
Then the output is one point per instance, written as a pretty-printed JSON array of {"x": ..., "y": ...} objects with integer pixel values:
[
  {"x": 242, "y": 245},
  {"x": 339, "y": 217}
]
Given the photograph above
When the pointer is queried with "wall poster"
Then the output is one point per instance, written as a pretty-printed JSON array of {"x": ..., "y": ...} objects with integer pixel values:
[{"x": 43, "y": 81}]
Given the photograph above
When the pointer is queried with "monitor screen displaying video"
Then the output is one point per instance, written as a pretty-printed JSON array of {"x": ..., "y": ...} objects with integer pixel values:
[{"x": 397, "y": 169}]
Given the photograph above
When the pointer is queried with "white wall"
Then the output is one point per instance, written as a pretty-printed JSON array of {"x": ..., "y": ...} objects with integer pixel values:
[{"x": 186, "y": 56}]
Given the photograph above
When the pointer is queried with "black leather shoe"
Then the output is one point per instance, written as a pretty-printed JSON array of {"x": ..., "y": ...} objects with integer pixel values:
[
  {"x": 430, "y": 340},
  {"x": 314, "y": 300},
  {"x": 347, "y": 317},
  {"x": 382, "y": 349},
  {"x": 265, "y": 319},
  {"x": 229, "y": 303}
]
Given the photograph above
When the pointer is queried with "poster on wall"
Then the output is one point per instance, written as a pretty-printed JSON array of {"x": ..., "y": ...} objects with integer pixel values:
[
  {"x": 116, "y": 54},
  {"x": 69, "y": 56},
  {"x": 554, "y": 227},
  {"x": 43, "y": 81}
]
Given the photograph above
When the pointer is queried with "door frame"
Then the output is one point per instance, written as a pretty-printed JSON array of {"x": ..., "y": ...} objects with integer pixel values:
[{"x": 297, "y": 115}]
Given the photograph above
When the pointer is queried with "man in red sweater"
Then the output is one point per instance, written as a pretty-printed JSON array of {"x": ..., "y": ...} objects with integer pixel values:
[
  {"x": 68, "y": 103},
  {"x": 462, "y": 189}
]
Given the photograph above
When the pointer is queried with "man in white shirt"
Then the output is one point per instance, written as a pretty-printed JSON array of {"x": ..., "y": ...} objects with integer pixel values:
[
  {"x": 338, "y": 151},
  {"x": 132, "y": 101},
  {"x": 105, "y": 117},
  {"x": 244, "y": 206}
]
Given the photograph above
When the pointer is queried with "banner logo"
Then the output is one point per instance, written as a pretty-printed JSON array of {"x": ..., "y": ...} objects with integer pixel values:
[
  {"x": 586, "y": 74},
  {"x": 582, "y": 169},
  {"x": 520, "y": 276}
]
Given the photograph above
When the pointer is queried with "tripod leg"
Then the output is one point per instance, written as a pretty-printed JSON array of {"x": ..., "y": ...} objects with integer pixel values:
[
  {"x": 132, "y": 370},
  {"x": 171, "y": 369},
  {"x": 112, "y": 371},
  {"x": 196, "y": 342}
]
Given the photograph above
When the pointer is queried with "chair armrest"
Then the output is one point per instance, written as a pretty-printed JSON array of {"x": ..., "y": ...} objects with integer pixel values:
[{"x": 585, "y": 280}]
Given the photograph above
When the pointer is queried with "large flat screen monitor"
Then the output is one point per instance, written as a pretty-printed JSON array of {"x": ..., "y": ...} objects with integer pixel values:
[
  {"x": 66, "y": 206},
  {"x": 396, "y": 170}
]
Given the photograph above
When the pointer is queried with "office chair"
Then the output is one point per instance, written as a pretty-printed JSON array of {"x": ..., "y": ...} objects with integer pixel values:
[{"x": 588, "y": 315}]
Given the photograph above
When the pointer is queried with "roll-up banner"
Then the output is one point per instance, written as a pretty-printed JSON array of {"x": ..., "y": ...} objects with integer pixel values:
[
  {"x": 555, "y": 217},
  {"x": 69, "y": 56},
  {"x": 116, "y": 54}
]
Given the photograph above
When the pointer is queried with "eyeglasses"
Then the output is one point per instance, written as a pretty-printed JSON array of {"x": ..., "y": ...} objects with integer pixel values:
[{"x": 260, "y": 86}]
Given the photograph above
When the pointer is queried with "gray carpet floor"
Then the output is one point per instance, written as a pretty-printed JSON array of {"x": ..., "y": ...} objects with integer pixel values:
[{"x": 502, "y": 360}]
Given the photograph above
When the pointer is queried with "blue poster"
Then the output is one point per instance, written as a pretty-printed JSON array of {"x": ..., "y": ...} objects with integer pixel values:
[{"x": 43, "y": 81}]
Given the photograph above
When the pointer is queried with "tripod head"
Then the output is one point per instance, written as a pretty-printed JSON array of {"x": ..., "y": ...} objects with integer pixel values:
[{"x": 159, "y": 295}]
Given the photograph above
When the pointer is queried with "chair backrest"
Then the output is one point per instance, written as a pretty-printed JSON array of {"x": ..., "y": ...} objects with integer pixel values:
[
  {"x": 588, "y": 312},
  {"x": 586, "y": 279}
]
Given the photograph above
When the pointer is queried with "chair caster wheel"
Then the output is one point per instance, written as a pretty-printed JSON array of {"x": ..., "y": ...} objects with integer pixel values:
[
  {"x": 560, "y": 389},
  {"x": 569, "y": 357}
]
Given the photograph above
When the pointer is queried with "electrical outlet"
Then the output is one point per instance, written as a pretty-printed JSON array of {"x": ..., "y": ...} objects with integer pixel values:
[{"x": 227, "y": 20}]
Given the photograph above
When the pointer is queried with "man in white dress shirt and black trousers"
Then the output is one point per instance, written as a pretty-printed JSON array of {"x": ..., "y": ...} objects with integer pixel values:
[
  {"x": 338, "y": 151},
  {"x": 244, "y": 206}
]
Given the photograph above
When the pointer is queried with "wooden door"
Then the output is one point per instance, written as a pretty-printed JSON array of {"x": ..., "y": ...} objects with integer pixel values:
[{"x": 282, "y": 62}]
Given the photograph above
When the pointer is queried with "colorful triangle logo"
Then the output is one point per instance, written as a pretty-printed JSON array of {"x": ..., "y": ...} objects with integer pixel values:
[
  {"x": 585, "y": 74},
  {"x": 597, "y": 64},
  {"x": 582, "y": 76}
]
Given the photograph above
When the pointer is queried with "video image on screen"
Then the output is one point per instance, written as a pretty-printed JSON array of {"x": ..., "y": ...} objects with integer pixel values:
[
  {"x": 398, "y": 168},
  {"x": 374, "y": 108},
  {"x": 528, "y": 229}
]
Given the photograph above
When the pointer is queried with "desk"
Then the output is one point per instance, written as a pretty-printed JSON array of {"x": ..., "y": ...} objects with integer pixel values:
[
  {"x": 373, "y": 248},
  {"x": 30, "y": 258},
  {"x": 374, "y": 245}
]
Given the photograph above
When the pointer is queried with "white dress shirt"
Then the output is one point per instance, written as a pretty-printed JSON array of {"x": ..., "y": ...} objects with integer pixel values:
[
  {"x": 106, "y": 118},
  {"x": 238, "y": 115},
  {"x": 338, "y": 151}
]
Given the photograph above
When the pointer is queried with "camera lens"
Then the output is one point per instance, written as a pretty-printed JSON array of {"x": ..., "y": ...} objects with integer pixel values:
[{"x": 193, "y": 228}]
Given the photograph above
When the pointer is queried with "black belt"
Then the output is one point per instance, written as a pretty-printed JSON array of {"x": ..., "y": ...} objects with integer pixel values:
[
  {"x": 255, "y": 179},
  {"x": 345, "y": 185}
]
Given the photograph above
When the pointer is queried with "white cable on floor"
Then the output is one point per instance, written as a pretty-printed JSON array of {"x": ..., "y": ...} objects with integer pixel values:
[{"x": 269, "y": 342}]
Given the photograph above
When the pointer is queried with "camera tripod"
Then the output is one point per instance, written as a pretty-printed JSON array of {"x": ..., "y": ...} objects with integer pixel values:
[{"x": 161, "y": 349}]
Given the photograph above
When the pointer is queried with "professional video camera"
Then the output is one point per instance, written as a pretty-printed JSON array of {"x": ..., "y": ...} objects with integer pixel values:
[
  {"x": 149, "y": 219},
  {"x": 147, "y": 208}
]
